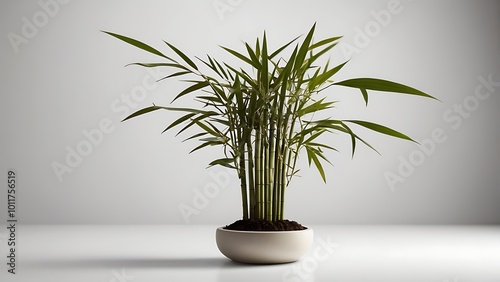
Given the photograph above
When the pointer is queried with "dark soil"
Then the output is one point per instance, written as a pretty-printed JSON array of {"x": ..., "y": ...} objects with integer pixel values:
[{"x": 264, "y": 225}]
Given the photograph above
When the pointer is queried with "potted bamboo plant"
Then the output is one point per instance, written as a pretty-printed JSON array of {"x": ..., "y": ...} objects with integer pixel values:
[{"x": 262, "y": 117}]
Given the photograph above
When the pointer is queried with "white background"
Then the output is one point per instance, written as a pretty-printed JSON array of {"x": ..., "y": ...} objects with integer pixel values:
[{"x": 65, "y": 77}]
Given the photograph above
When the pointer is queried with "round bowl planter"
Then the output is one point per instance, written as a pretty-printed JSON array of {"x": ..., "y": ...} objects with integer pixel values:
[{"x": 264, "y": 247}]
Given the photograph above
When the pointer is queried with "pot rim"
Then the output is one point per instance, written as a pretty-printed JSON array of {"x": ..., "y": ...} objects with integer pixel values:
[{"x": 265, "y": 232}]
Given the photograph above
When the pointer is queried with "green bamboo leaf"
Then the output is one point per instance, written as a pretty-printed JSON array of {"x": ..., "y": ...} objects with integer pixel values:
[
  {"x": 315, "y": 107},
  {"x": 182, "y": 55},
  {"x": 225, "y": 162},
  {"x": 209, "y": 99},
  {"x": 320, "y": 125},
  {"x": 317, "y": 133},
  {"x": 240, "y": 56},
  {"x": 321, "y": 53},
  {"x": 252, "y": 55},
  {"x": 174, "y": 75},
  {"x": 137, "y": 44},
  {"x": 190, "y": 110},
  {"x": 243, "y": 75},
  {"x": 179, "y": 121},
  {"x": 194, "y": 121},
  {"x": 154, "y": 65},
  {"x": 194, "y": 87},
  {"x": 301, "y": 55},
  {"x": 382, "y": 85},
  {"x": 282, "y": 48},
  {"x": 367, "y": 144},
  {"x": 221, "y": 121},
  {"x": 219, "y": 92},
  {"x": 312, "y": 155},
  {"x": 212, "y": 130},
  {"x": 264, "y": 74},
  {"x": 257, "y": 47},
  {"x": 195, "y": 136},
  {"x": 324, "y": 42},
  {"x": 353, "y": 138},
  {"x": 211, "y": 65},
  {"x": 205, "y": 144},
  {"x": 365, "y": 95},
  {"x": 314, "y": 144},
  {"x": 214, "y": 140},
  {"x": 381, "y": 129},
  {"x": 318, "y": 80},
  {"x": 348, "y": 131},
  {"x": 288, "y": 68},
  {"x": 142, "y": 111},
  {"x": 220, "y": 68}
]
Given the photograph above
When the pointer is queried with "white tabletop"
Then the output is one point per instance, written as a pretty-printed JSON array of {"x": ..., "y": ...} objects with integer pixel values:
[{"x": 188, "y": 253}]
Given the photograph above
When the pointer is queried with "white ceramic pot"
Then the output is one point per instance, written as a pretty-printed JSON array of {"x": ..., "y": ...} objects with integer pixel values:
[{"x": 264, "y": 247}]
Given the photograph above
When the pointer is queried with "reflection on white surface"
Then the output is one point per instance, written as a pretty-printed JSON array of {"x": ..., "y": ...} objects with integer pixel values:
[{"x": 188, "y": 253}]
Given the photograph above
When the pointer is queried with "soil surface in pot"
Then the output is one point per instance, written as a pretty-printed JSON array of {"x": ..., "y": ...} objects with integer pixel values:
[{"x": 264, "y": 225}]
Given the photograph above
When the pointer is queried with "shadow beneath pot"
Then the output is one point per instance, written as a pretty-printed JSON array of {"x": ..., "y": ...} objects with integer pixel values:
[{"x": 169, "y": 263}]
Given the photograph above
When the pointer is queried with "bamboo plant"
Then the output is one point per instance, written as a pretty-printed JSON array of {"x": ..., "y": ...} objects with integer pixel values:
[{"x": 262, "y": 113}]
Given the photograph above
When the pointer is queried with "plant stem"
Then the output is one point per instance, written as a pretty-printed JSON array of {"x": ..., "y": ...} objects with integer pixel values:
[
  {"x": 242, "y": 175},
  {"x": 258, "y": 171},
  {"x": 271, "y": 159},
  {"x": 250, "y": 170},
  {"x": 283, "y": 184}
]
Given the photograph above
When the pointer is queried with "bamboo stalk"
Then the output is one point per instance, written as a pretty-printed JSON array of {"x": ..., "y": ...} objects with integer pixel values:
[
  {"x": 278, "y": 171},
  {"x": 283, "y": 184},
  {"x": 264, "y": 177},
  {"x": 250, "y": 170},
  {"x": 266, "y": 185},
  {"x": 292, "y": 153},
  {"x": 258, "y": 172},
  {"x": 271, "y": 160},
  {"x": 243, "y": 181}
]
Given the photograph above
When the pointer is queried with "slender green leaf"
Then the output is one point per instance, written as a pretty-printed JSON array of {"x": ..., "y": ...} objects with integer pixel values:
[
  {"x": 314, "y": 144},
  {"x": 366, "y": 143},
  {"x": 321, "y": 53},
  {"x": 142, "y": 111},
  {"x": 353, "y": 138},
  {"x": 243, "y": 75},
  {"x": 137, "y": 44},
  {"x": 318, "y": 80},
  {"x": 205, "y": 144},
  {"x": 315, "y": 107},
  {"x": 282, "y": 48},
  {"x": 194, "y": 87},
  {"x": 381, "y": 129},
  {"x": 225, "y": 162},
  {"x": 179, "y": 121},
  {"x": 173, "y": 75},
  {"x": 252, "y": 55},
  {"x": 154, "y": 65},
  {"x": 312, "y": 155},
  {"x": 301, "y": 55},
  {"x": 240, "y": 56},
  {"x": 210, "y": 130},
  {"x": 382, "y": 85},
  {"x": 195, "y": 136},
  {"x": 182, "y": 55},
  {"x": 264, "y": 78},
  {"x": 324, "y": 42},
  {"x": 220, "y": 68},
  {"x": 365, "y": 95}
]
